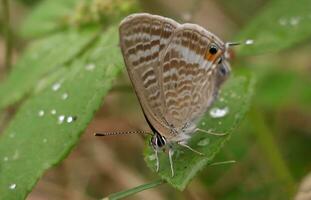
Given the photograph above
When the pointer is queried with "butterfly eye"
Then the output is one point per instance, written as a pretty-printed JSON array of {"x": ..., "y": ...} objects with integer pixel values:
[{"x": 213, "y": 49}]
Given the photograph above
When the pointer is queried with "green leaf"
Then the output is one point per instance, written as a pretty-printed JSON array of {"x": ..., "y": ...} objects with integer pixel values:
[
  {"x": 56, "y": 15},
  {"x": 48, "y": 16},
  {"x": 41, "y": 58},
  {"x": 281, "y": 24},
  {"x": 235, "y": 98},
  {"x": 49, "y": 124}
]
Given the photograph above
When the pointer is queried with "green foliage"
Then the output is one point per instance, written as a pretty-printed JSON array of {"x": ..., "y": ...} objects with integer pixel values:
[
  {"x": 235, "y": 98},
  {"x": 40, "y": 59},
  {"x": 48, "y": 124},
  {"x": 56, "y": 15},
  {"x": 281, "y": 24}
]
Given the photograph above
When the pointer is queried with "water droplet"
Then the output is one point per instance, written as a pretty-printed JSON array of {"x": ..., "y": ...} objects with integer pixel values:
[
  {"x": 41, "y": 113},
  {"x": 70, "y": 119},
  {"x": 56, "y": 86},
  {"x": 152, "y": 157},
  {"x": 249, "y": 42},
  {"x": 5, "y": 158},
  {"x": 283, "y": 21},
  {"x": 64, "y": 96},
  {"x": 294, "y": 21},
  {"x": 203, "y": 142},
  {"x": 203, "y": 123},
  {"x": 45, "y": 140},
  {"x": 90, "y": 67},
  {"x": 61, "y": 119},
  {"x": 53, "y": 112},
  {"x": 13, "y": 186},
  {"x": 218, "y": 112}
]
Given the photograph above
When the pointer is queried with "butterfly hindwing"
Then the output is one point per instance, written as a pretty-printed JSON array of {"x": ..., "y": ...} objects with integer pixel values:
[{"x": 187, "y": 75}]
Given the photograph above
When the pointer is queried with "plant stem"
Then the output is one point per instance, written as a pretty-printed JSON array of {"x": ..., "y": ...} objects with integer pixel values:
[
  {"x": 7, "y": 34},
  {"x": 126, "y": 193},
  {"x": 271, "y": 151}
]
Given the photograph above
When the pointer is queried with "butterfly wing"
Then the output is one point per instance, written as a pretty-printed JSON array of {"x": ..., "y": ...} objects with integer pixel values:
[
  {"x": 142, "y": 38},
  {"x": 189, "y": 83}
]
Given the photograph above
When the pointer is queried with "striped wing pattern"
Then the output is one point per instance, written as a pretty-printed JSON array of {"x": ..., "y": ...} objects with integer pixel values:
[
  {"x": 171, "y": 70},
  {"x": 187, "y": 75},
  {"x": 143, "y": 38}
]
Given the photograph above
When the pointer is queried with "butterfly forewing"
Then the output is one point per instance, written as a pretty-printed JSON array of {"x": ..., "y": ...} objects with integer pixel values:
[
  {"x": 142, "y": 38},
  {"x": 186, "y": 81}
]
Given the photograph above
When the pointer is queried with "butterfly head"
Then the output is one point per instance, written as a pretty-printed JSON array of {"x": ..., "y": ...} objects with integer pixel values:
[
  {"x": 158, "y": 141},
  {"x": 223, "y": 68}
]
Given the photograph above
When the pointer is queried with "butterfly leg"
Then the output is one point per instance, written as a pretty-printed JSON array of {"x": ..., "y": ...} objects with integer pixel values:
[
  {"x": 170, "y": 154},
  {"x": 183, "y": 144},
  {"x": 209, "y": 132},
  {"x": 157, "y": 159}
]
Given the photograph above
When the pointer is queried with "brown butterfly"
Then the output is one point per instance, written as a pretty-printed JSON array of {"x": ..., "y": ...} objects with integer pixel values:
[{"x": 176, "y": 71}]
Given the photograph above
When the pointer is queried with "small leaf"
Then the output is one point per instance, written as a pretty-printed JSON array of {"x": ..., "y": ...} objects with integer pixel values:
[
  {"x": 232, "y": 104},
  {"x": 41, "y": 58},
  {"x": 281, "y": 24},
  {"x": 49, "y": 124}
]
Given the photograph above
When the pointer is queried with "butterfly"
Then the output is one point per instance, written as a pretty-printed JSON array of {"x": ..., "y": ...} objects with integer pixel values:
[{"x": 176, "y": 71}]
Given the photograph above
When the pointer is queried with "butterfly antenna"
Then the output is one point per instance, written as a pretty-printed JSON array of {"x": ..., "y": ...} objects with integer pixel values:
[
  {"x": 230, "y": 44},
  {"x": 121, "y": 133}
]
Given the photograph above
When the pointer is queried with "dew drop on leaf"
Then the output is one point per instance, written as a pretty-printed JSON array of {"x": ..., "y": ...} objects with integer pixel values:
[
  {"x": 219, "y": 112},
  {"x": 64, "y": 96},
  {"x": 249, "y": 42},
  {"x": 41, "y": 113},
  {"x": 56, "y": 86},
  {"x": 70, "y": 119},
  {"x": 61, "y": 119},
  {"x": 12, "y": 186},
  {"x": 90, "y": 67},
  {"x": 53, "y": 111}
]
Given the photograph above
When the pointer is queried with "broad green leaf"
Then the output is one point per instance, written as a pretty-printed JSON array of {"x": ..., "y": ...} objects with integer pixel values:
[
  {"x": 49, "y": 124},
  {"x": 281, "y": 24},
  {"x": 40, "y": 59},
  {"x": 233, "y": 100}
]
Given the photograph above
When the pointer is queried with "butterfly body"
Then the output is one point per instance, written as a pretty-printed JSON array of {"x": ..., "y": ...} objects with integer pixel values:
[{"x": 176, "y": 71}]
